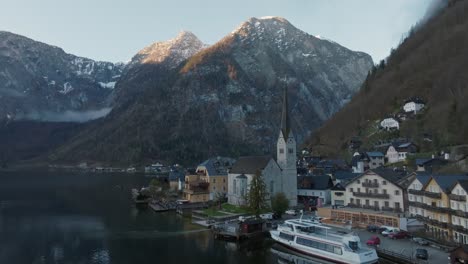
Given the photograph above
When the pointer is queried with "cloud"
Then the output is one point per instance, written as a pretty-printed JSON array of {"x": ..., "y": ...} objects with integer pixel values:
[{"x": 67, "y": 116}]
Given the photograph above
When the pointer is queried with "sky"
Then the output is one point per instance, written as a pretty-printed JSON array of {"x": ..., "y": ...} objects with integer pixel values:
[{"x": 115, "y": 30}]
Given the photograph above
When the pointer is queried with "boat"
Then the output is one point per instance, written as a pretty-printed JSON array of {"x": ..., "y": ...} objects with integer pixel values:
[{"x": 314, "y": 239}]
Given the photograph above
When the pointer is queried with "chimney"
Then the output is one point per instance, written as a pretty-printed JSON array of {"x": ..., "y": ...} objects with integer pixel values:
[{"x": 446, "y": 156}]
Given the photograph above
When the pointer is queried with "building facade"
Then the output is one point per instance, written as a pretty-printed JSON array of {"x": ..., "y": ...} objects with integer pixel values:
[
  {"x": 459, "y": 209},
  {"x": 430, "y": 202},
  {"x": 374, "y": 191}
]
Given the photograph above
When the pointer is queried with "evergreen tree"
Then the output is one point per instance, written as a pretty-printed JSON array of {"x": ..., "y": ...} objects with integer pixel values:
[
  {"x": 256, "y": 196},
  {"x": 279, "y": 203}
]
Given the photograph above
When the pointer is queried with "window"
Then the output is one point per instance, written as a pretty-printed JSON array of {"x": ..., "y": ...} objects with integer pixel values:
[
  {"x": 375, "y": 181},
  {"x": 367, "y": 202},
  {"x": 376, "y": 204},
  {"x": 387, "y": 204},
  {"x": 384, "y": 191},
  {"x": 281, "y": 151},
  {"x": 350, "y": 189},
  {"x": 410, "y": 197},
  {"x": 358, "y": 181},
  {"x": 358, "y": 190},
  {"x": 358, "y": 201},
  {"x": 376, "y": 191},
  {"x": 224, "y": 180},
  {"x": 214, "y": 180},
  {"x": 397, "y": 192},
  {"x": 384, "y": 182},
  {"x": 397, "y": 205},
  {"x": 291, "y": 151},
  {"x": 351, "y": 200},
  {"x": 235, "y": 186},
  {"x": 286, "y": 236},
  {"x": 214, "y": 187}
]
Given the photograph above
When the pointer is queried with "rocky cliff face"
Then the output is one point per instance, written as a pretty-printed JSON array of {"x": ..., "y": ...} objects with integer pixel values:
[
  {"x": 225, "y": 99},
  {"x": 39, "y": 81}
]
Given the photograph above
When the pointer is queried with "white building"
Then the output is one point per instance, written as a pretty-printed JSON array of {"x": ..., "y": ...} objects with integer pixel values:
[
  {"x": 459, "y": 206},
  {"x": 314, "y": 190},
  {"x": 390, "y": 123},
  {"x": 378, "y": 189},
  {"x": 399, "y": 152},
  {"x": 245, "y": 169},
  {"x": 413, "y": 105},
  {"x": 279, "y": 176}
]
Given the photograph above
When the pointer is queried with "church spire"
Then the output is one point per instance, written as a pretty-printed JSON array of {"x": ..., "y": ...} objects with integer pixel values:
[{"x": 285, "y": 124}]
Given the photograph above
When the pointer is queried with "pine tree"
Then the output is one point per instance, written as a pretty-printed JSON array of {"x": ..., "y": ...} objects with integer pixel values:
[{"x": 256, "y": 197}]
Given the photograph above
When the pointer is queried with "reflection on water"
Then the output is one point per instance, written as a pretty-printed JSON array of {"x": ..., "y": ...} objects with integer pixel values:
[
  {"x": 286, "y": 256},
  {"x": 69, "y": 218}
]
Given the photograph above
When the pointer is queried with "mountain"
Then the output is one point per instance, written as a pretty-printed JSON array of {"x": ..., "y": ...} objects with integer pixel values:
[
  {"x": 163, "y": 57},
  {"x": 431, "y": 63},
  {"x": 39, "y": 81},
  {"x": 223, "y": 100}
]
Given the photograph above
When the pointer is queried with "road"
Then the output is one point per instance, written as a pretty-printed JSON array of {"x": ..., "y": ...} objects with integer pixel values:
[{"x": 406, "y": 247}]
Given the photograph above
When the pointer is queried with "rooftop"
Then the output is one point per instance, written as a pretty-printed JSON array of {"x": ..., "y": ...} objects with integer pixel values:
[{"x": 250, "y": 164}]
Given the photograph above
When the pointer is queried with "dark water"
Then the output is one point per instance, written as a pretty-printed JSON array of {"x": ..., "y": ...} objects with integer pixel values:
[{"x": 50, "y": 217}]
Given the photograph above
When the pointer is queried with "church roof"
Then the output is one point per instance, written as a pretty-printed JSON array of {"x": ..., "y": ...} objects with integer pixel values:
[
  {"x": 285, "y": 123},
  {"x": 250, "y": 164}
]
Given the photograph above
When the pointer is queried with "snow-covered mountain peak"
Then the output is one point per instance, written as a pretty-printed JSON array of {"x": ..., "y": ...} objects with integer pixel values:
[{"x": 173, "y": 51}]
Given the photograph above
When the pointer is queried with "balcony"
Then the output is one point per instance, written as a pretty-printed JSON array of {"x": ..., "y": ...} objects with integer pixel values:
[
  {"x": 433, "y": 221},
  {"x": 372, "y": 195},
  {"x": 390, "y": 209},
  {"x": 456, "y": 197},
  {"x": 370, "y": 184},
  {"x": 416, "y": 192},
  {"x": 460, "y": 213},
  {"x": 430, "y": 207},
  {"x": 433, "y": 195},
  {"x": 459, "y": 228}
]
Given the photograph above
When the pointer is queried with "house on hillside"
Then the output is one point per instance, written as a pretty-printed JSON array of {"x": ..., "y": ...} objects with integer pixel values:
[
  {"x": 431, "y": 164},
  {"x": 413, "y": 105},
  {"x": 390, "y": 123},
  {"x": 376, "y": 159},
  {"x": 314, "y": 191},
  {"x": 398, "y": 151},
  {"x": 360, "y": 162}
]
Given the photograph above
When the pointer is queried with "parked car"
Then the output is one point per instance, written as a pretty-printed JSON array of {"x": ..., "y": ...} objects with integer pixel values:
[
  {"x": 420, "y": 241},
  {"x": 375, "y": 229},
  {"x": 291, "y": 212},
  {"x": 373, "y": 241},
  {"x": 267, "y": 216},
  {"x": 399, "y": 235},
  {"x": 421, "y": 253},
  {"x": 389, "y": 230}
]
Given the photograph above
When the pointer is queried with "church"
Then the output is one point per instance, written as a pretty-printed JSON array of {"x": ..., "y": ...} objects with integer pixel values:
[{"x": 279, "y": 175}]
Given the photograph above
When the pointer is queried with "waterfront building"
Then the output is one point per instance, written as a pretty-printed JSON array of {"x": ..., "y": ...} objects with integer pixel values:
[{"x": 429, "y": 201}]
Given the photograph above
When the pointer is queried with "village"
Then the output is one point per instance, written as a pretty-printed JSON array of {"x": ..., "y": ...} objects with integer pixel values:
[{"x": 389, "y": 186}]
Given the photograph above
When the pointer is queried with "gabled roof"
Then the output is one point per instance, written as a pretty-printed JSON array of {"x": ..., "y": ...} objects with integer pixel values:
[
  {"x": 421, "y": 162},
  {"x": 323, "y": 182},
  {"x": 399, "y": 178},
  {"x": 176, "y": 175},
  {"x": 423, "y": 177},
  {"x": 250, "y": 164},
  {"x": 375, "y": 154},
  {"x": 463, "y": 184},
  {"x": 446, "y": 182},
  {"x": 217, "y": 166},
  {"x": 338, "y": 187},
  {"x": 345, "y": 175}
]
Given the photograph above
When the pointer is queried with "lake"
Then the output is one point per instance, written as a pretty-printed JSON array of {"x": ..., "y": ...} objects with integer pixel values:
[{"x": 68, "y": 217}]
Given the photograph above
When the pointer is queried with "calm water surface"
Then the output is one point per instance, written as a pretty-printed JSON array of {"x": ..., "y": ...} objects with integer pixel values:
[{"x": 56, "y": 217}]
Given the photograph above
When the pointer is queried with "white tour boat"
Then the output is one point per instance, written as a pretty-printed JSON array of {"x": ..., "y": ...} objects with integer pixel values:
[{"x": 324, "y": 242}]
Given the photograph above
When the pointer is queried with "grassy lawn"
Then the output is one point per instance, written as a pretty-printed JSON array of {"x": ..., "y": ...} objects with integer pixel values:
[
  {"x": 235, "y": 209},
  {"x": 213, "y": 212}
]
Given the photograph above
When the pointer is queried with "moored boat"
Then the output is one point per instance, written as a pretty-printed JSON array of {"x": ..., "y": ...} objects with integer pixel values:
[{"x": 323, "y": 242}]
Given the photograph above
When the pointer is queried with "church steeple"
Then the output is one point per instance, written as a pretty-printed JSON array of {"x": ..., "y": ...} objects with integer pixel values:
[{"x": 285, "y": 123}]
